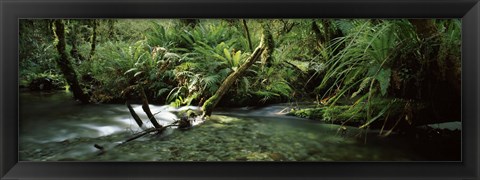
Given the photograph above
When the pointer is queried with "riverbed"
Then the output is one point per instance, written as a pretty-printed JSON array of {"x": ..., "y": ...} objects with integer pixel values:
[{"x": 53, "y": 127}]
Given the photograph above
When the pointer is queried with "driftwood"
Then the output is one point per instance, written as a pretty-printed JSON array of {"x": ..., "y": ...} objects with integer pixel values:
[
  {"x": 183, "y": 123},
  {"x": 134, "y": 115},
  {"x": 147, "y": 131},
  {"x": 139, "y": 135},
  {"x": 146, "y": 108}
]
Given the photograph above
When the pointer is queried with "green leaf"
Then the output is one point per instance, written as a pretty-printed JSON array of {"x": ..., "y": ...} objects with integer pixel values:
[
  {"x": 380, "y": 114},
  {"x": 236, "y": 58},
  {"x": 162, "y": 91},
  {"x": 130, "y": 70},
  {"x": 220, "y": 57},
  {"x": 353, "y": 75},
  {"x": 227, "y": 54},
  {"x": 383, "y": 77},
  {"x": 138, "y": 73}
]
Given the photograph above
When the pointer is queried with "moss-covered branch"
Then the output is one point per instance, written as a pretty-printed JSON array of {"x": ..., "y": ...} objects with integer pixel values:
[{"x": 210, "y": 104}]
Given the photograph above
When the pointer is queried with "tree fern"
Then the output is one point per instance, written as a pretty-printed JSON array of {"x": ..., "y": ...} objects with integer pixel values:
[{"x": 281, "y": 88}]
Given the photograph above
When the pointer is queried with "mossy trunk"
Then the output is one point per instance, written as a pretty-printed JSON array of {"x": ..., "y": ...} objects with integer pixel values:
[
  {"x": 210, "y": 104},
  {"x": 111, "y": 29},
  {"x": 93, "y": 40},
  {"x": 319, "y": 37},
  {"x": 73, "y": 41},
  {"x": 247, "y": 34},
  {"x": 269, "y": 47},
  {"x": 65, "y": 65},
  {"x": 329, "y": 32}
]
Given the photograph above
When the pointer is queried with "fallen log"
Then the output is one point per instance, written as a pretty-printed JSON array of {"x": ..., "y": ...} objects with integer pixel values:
[{"x": 210, "y": 104}]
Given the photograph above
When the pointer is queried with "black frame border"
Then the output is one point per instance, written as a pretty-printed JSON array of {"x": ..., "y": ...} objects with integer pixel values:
[{"x": 12, "y": 10}]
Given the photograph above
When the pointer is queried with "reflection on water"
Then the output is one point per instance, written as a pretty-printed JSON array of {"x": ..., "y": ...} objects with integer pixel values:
[{"x": 53, "y": 127}]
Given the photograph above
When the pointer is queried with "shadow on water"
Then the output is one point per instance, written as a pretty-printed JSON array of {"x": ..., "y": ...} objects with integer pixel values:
[{"x": 53, "y": 127}]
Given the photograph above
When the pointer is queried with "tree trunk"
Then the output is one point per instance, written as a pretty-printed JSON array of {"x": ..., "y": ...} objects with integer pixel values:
[
  {"x": 93, "y": 40},
  {"x": 319, "y": 38},
  {"x": 111, "y": 29},
  {"x": 65, "y": 65},
  {"x": 267, "y": 38},
  {"x": 210, "y": 104},
  {"x": 441, "y": 84},
  {"x": 73, "y": 41},
  {"x": 322, "y": 39},
  {"x": 247, "y": 33},
  {"x": 424, "y": 27}
]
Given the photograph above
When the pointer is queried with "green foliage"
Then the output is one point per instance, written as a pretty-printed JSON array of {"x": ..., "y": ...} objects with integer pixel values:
[
  {"x": 159, "y": 35},
  {"x": 310, "y": 113},
  {"x": 37, "y": 53},
  {"x": 334, "y": 114},
  {"x": 136, "y": 64},
  {"x": 362, "y": 63},
  {"x": 383, "y": 78},
  {"x": 349, "y": 65},
  {"x": 274, "y": 89},
  {"x": 450, "y": 41},
  {"x": 354, "y": 114}
]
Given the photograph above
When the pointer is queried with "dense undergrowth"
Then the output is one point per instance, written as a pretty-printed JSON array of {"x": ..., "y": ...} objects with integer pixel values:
[{"x": 360, "y": 72}]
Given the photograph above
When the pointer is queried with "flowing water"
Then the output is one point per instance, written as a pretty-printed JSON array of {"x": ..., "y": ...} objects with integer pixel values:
[{"x": 55, "y": 128}]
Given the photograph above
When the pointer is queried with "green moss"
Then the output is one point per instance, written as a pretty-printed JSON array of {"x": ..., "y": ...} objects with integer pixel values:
[
  {"x": 209, "y": 105},
  {"x": 310, "y": 113},
  {"x": 191, "y": 113},
  {"x": 210, "y": 102},
  {"x": 330, "y": 114},
  {"x": 343, "y": 113},
  {"x": 356, "y": 115}
]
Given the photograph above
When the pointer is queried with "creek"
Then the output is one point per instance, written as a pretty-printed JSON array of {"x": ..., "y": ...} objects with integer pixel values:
[{"x": 53, "y": 127}]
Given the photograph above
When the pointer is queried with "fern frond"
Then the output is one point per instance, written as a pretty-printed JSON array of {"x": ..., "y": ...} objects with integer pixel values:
[{"x": 362, "y": 86}]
